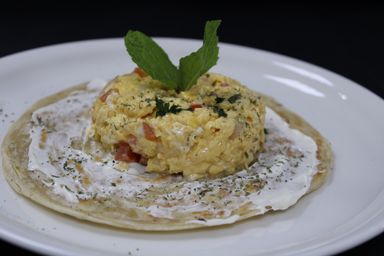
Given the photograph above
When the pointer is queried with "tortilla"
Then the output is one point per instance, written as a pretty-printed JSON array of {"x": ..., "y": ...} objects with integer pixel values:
[{"x": 113, "y": 211}]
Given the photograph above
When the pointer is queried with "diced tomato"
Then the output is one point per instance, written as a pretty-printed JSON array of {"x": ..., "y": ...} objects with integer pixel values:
[
  {"x": 124, "y": 153},
  {"x": 149, "y": 133},
  {"x": 132, "y": 140},
  {"x": 195, "y": 105},
  {"x": 140, "y": 72},
  {"x": 104, "y": 97}
]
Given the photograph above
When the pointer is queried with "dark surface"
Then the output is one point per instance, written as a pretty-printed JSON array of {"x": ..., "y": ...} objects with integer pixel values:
[{"x": 348, "y": 40}]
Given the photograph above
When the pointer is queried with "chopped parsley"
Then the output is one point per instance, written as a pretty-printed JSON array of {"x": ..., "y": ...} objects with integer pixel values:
[
  {"x": 219, "y": 111},
  {"x": 219, "y": 100},
  {"x": 234, "y": 98},
  {"x": 163, "y": 108}
]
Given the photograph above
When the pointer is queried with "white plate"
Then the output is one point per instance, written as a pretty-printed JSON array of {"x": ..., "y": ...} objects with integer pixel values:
[{"x": 346, "y": 211}]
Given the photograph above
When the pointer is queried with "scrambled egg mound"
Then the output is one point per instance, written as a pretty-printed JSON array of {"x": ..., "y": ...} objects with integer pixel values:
[{"x": 215, "y": 128}]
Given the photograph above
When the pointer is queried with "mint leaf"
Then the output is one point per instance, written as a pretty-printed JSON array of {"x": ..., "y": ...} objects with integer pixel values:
[
  {"x": 149, "y": 56},
  {"x": 198, "y": 63}
]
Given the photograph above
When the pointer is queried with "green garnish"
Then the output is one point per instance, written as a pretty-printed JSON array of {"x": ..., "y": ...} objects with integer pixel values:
[
  {"x": 219, "y": 100},
  {"x": 219, "y": 111},
  {"x": 150, "y": 57},
  {"x": 234, "y": 98},
  {"x": 198, "y": 63},
  {"x": 162, "y": 108}
]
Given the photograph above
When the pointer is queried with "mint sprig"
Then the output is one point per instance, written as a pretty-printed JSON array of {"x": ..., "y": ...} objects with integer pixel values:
[
  {"x": 198, "y": 63},
  {"x": 150, "y": 57}
]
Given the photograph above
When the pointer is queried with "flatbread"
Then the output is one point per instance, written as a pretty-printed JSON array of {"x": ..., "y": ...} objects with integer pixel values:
[{"x": 110, "y": 212}]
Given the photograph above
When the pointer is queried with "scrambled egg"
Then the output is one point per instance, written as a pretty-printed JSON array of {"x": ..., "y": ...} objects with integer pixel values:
[{"x": 215, "y": 128}]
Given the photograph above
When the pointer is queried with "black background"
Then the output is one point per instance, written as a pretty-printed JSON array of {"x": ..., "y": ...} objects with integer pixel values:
[{"x": 346, "y": 39}]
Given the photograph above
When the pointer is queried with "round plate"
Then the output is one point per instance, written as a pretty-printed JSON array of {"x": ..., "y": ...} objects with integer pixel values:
[{"x": 346, "y": 211}]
